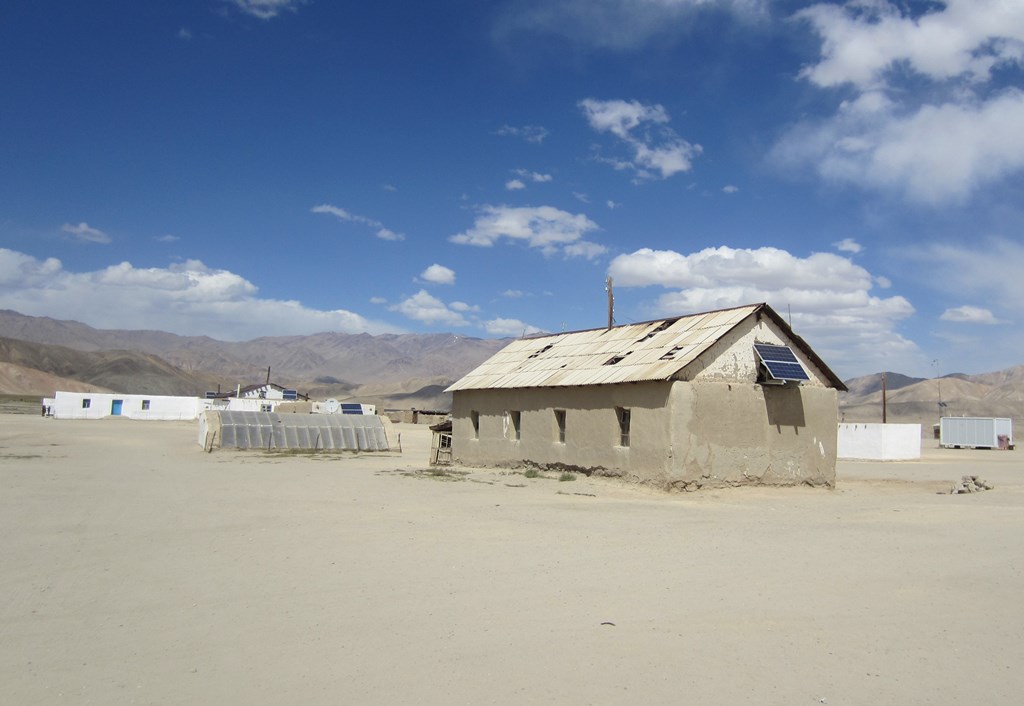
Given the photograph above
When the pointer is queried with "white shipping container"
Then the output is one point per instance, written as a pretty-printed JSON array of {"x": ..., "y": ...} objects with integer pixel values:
[{"x": 976, "y": 432}]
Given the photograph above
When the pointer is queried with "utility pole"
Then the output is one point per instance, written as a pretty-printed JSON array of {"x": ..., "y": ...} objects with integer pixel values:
[
  {"x": 611, "y": 303},
  {"x": 883, "y": 399}
]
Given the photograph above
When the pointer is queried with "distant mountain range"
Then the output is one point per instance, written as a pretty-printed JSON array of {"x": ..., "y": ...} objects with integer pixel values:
[{"x": 39, "y": 355}]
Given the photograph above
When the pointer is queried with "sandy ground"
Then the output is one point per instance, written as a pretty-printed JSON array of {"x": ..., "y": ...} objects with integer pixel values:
[{"x": 138, "y": 569}]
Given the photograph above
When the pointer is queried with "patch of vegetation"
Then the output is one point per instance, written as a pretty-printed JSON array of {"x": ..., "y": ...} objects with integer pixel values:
[
  {"x": 438, "y": 473},
  {"x": 531, "y": 473},
  {"x": 20, "y": 457},
  {"x": 566, "y": 477}
]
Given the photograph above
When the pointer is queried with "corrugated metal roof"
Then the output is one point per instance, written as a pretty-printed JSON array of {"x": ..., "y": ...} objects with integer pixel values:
[{"x": 653, "y": 350}]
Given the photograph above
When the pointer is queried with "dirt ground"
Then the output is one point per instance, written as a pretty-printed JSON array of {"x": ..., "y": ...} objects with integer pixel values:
[{"x": 138, "y": 569}]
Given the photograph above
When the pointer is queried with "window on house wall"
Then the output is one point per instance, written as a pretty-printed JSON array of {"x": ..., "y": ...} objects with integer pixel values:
[
  {"x": 474, "y": 417},
  {"x": 560, "y": 421},
  {"x": 266, "y": 408},
  {"x": 624, "y": 415},
  {"x": 145, "y": 404},
  {"x": 514, "y": 422},
  {"x": 86, "y": 403}
]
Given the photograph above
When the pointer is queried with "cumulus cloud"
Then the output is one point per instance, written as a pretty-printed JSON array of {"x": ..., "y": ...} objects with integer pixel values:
[
  {"x": 925, "y": 119},
  {"x": 529, "y": 133},
  {"x": 730, "y": 189},
  {"x": 615, "y": 24},
  {"x": 463, "y": 307},
  {"x": 424, "y": 307},
  {"x": 438, "y": 274},
  {"x": 510, "y": 327},
  {"x": 828, "y": 296},
  {"x": 657, "y": 150},
  {"x": 864, "y": 42},
  {"x": 343, "y": 215},
  {"x": 544, "y": 227},
  {"x": 267, "y": 9},
  {"x": 931, "y": 154},
  {"x": 847, "y": 245},
  {"x": 970, "y": 315},
  {"x": 514, "y": 185},
  {"x": 186, "y": 298},
  {"x": 85, "y": 233},
  {"x": 168, "y": 238}
]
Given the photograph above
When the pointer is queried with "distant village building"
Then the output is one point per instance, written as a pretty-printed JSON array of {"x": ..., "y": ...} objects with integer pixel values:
[
  {"x": 725, "y": 397},
  {"x": 97, "y": 405}
]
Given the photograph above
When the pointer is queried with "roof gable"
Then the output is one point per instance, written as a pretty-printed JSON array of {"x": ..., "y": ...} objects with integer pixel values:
[{"x": 649, "y": 351}]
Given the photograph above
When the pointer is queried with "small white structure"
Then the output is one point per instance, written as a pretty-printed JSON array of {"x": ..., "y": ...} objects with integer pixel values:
[
  {"x": 97, "y": 405},
  {"x": 879, "y": 442},
  {"x": 976, "y": 432}
]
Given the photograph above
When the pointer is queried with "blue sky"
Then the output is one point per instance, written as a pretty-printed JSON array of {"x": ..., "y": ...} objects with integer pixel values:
[{"x": 242, "y": 168}]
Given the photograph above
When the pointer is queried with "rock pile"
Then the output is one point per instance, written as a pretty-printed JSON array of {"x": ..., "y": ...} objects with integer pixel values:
[{"x": 970, "y": 484}]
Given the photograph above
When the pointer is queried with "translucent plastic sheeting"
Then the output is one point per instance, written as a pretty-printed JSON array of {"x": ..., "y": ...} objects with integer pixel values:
[{"x": 268, "y": 430}]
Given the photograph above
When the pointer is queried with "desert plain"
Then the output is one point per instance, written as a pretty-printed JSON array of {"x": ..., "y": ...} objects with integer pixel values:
[{"x": 137, "y": 569}]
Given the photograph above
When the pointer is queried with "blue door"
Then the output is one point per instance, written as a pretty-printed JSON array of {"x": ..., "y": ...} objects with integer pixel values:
[{"x": 115, "y": 407}]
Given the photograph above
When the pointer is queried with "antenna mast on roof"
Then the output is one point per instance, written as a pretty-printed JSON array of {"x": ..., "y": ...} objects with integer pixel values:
[
  {"x": 268, "y": 374},
  {"x": 611, "y": 302}
]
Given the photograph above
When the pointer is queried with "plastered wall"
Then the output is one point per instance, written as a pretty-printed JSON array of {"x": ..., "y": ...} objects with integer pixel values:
[{"x": 682, "y": 435}]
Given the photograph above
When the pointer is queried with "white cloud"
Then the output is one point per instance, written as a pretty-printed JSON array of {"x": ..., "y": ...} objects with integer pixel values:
[
  {"x": 580, "y": 196},
  {"x": 932, "y": 154},
  {"x": 513, "y": 293},
  {"x": 463, "y": 307},
  {"x": 267, "y": 9},
  {"x": 343, "y": 215},
  {"x": 187, "y": 298},
  {"x": 85, "y": 233},
  {"x": 438, "y": 274},
  {"x": 378, "y": 300},
  {"x": 615, "y": 24},
  {"x": 970, "y": 315},
  {"x": 530, "y": 133},
  {"x": 536, "y": 177},
  {"x": 883, "y": 282},
  {"x": 168, "y": 238},
  {"x": 864, "y": 42},
  {"x": 730, "y": 189},
  {"x": 514, "y": 185},
  {"x": 424, "y": 307},
  {"x": 612, "y": 205},
  {"x": 926, "y": 121},
  {"x": 185, "y": 34},
  {"x": 390, "y": 187},
  {"x": 828, "y": 296},
  {"x": 655, "y": 152},
  {"x": 545, "y": 227},
  {"x": 510, "y": 327},
  {"x": 986, "y": 269},
  {"x": 847, "y": 245}
]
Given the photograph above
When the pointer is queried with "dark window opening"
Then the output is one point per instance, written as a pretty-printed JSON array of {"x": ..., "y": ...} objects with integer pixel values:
[
  {"x": 474, "y": 417},
  {"x": 623, "y": 415},
  {"x": 560, "y": 421},
  {"x": 86, "y": 403},
  {"x": 672, "y": 353},
  {"x": 145, "y": 404},
  {"x": 514, "y": 421},
  {"x": 543, "y": 350},
  {"x": 615, "y": 359}
]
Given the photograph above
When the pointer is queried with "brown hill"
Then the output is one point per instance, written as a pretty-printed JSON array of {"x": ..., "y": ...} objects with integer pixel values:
[
  {"x": 408, "y": 367},
  {"x": 42, "y": 369},
  {"x": 997, "y": 394}
]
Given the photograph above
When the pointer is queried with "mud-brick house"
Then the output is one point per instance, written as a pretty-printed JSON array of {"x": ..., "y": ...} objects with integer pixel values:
[{"x": 721, "y": 398}]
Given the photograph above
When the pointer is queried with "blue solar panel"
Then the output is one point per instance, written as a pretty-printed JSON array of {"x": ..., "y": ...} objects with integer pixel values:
[
  {"x": 781, "y": 370},
  {"x": 768, "y": 352},
  {"x": 780, "y": 362}
]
